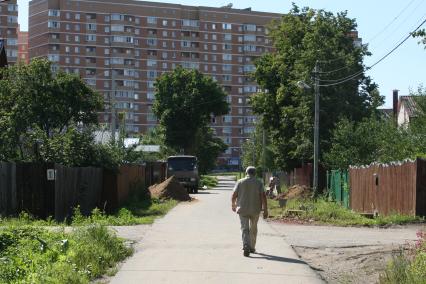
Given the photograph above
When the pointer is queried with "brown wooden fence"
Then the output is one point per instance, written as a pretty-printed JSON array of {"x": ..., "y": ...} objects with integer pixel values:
[
  {"x": 76, "y": 186},
  {"x": 26, "y": 187},
  {"x": 389, "y": 188},
  {"x": 8, "y": 204}
]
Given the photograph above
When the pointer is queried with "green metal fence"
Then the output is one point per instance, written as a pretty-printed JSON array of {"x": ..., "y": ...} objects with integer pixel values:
[{"x": 338, "y": 186}]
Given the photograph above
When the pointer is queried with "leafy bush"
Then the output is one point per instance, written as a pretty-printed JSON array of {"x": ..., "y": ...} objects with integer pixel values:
[
  {"x": 33, "y": 255},
  {"x": 208, "y": 181},
  {"x": 409, "y": 268}
]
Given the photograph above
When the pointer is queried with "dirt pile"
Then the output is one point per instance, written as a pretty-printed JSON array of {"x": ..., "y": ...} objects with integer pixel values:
[
  {"x": 296, "y": 191},
  {"x": 169, "y": 189}
]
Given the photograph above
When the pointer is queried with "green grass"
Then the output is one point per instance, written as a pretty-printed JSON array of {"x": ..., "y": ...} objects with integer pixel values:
[
  {"x": 137, "y": 212},
  {"x": 30, "y": 254},
  {"x": 407, "y": 267},
  {"x": 325, "y": 212},
  {"x": 209, "y": 181}
]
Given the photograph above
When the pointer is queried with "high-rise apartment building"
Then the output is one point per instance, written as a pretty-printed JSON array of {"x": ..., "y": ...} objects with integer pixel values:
[
  {"x": 23, "y": 55},
  {"x": 121, "y": 46},
  {"x": 9, "y": 29}
]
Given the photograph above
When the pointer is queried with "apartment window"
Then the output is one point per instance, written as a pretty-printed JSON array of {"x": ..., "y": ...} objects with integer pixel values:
[
  {"x": 214, "y": 68},
  {"x": 164, "y": 55},
  {"x": 164, "y": 33},
  {"x": 249, "y": 38},
  {"x": 67, "y": 38},
  {"x": 67, "y": 27},
  {"x": 226, "y": 57},
  {"x": 226, "y": 26},
  {"x": 50, "y": 24},
  {"x": 214, "y": 36},
  {"x": 67, "y": 15},
  {"x": 91, "y": 27},
  {"x": 12, "y": 41},
  {"x": 51, "y": 13},
  {"x": 214, "y": 47},
  {"x": 214, "y": 57},
  {"x": 14, "y": 8},
  {"x": 107, "y": 18},
  {"x": 249, "y": 27},
  {"x": 137, "y": 21},
  {"x": 164, "y": 65},
  {"x": 151, "y": 20},
  {"x": 67, "y": 49},
  {"x": 117, "y": 17},
  {"x": 227, "y": 78},
  {"x": 77, "y": 38},
  {"x": 151, "y": 63},
  {"x": 152, "y": 74},
  {"x": 107, "y": 29},
  {"x": 77, "y": 16},
  {"x": 173, "y": 34},
  {"x": 151, "y": 41},
  {"x": 173, "y": 23},
  {"x": 164, "y": 44},
  {"x": 106, "y": 51},
  {"x": 240, "y": 100},
  {"x": 249, "y": 47},
  {"x": 227, "y": 46},
  {"x": 227, "y": 37},
  {"x": 190, "y": 23},
  {"x": 213, "y": 26},
  {"x": 90, "y": 37},
  {"x": 53, "y": 57},
  {"x": 76, "y": 60},
  {"x": 206, "y": 47},
  {"x": 76, "y": 49},
  {"x": 67, "y": 60},
  {"x": 150, "y": 95},
  {"x": 150, "y": 84},
  {"x": 227, "y": 67},
  {"x": 227, "y": 119},
  {"x": 77, "y": 27},
  {"x": 164, "y": 23},
  {"x": 117, "y": 28}
]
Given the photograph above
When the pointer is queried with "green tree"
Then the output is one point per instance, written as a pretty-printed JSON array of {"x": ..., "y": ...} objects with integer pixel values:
[
  {"x": 33, "y": 99},
  {"x": 185, "y": 102},
  {"x": 208, "y": 149},
  {"x": 371, "y": 140},
  {"x": 301, "y": 39}
]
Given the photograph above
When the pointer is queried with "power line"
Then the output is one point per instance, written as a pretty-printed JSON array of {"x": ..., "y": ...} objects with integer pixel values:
[
  {"x": 343, "y": 80},
  {"x": 370, "y": 40}
]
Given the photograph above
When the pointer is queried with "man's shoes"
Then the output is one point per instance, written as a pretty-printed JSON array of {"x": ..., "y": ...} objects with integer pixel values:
[
  {"x": 252, "y": 251},
  {"x": 246, "y": 252}
]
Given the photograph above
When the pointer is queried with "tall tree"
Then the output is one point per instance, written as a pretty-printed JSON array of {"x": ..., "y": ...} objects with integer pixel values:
[
  {"x": 32, "y": 98},
  {"x": 185, "y": 102},
  {"x": 302, "y": 39}
]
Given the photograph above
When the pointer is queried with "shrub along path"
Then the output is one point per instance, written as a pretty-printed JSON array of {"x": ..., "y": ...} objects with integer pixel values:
[{"x": 200, "y": 242}]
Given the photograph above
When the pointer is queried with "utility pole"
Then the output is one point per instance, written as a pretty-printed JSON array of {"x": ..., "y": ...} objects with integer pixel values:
[
  {"x": 316, "y": 129},
  {"x": 263, "y": 154}
]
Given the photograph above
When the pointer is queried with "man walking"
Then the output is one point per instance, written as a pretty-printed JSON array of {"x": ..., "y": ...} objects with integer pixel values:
[{"x": 248, "y": 199}]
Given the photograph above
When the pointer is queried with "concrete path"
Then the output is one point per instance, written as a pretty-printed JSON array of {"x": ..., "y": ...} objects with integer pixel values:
[{"x": 200, "y": 242}]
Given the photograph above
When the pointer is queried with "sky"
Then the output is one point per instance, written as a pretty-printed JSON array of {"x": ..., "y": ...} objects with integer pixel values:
[{"x": 381, "y": 23}]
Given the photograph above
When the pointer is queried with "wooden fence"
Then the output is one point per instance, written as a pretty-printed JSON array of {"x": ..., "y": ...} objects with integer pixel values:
[
  {"x": 28, "y": 187},
  {"x": 8, "y": 203},
  {"x": 389, "y": 188}
]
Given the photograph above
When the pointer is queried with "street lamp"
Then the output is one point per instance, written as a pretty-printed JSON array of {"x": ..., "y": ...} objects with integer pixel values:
[{"x": 303, "y": 85}]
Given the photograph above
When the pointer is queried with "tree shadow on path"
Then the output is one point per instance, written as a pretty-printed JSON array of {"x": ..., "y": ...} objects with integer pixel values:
[{"x": 277, "y": 258}]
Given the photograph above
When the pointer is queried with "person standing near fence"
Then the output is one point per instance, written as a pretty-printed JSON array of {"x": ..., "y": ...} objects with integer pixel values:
[{"x": 248, "y": 198}]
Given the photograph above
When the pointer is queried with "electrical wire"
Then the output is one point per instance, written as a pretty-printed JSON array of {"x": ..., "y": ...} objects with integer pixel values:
[
  {"x": 370, "y": 40},
  {"x": 343, "y": 80}
]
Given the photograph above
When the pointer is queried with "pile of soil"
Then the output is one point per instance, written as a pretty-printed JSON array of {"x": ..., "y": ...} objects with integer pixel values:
[
  {"x": 296, "y": 191},
  {"x": 169, "y": 189}
]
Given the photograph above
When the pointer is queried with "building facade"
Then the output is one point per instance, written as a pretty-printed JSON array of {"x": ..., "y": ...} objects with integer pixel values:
[
  {"x": 23, "y": 55},
  {"x": 9, "y": 29},
  {"x": 121, "y": 47}
]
